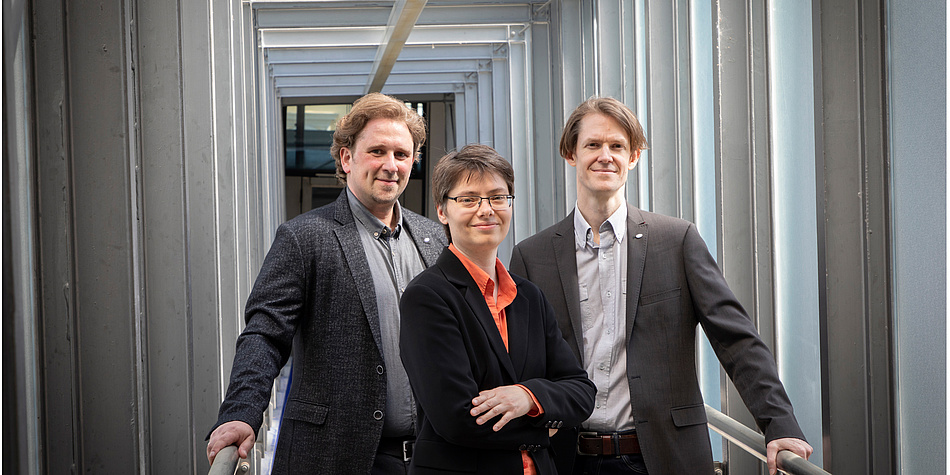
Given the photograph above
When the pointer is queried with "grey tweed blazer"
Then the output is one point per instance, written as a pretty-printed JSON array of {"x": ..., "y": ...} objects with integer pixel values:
[{"x": 315, "y": 296}]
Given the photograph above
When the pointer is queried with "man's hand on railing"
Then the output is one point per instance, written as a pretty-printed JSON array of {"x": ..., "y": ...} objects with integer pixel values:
[
  {"x": 231, "y": 433},
  {"x": 796, "y": 446}
]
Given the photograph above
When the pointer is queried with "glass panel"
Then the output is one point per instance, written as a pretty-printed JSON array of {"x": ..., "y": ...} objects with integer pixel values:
[
  {"x": 794, "y": 211},
  {"x": 643, "y": 168},
  {"x": 704, "y": 182},
  {"x": 917, "y": 99},
  {"x": 309, "y": 135}
]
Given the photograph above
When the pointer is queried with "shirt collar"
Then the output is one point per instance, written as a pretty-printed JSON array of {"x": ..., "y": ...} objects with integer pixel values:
[
  {"x": 374, "y": 225},
  {"x": 507, "y": 289},
  {"x": 617, "y": 220}
]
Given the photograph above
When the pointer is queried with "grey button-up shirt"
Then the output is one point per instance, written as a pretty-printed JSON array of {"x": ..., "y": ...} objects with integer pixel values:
[
  {"x": 393, "y": 261},
  {"x": 602, "y": 281}
]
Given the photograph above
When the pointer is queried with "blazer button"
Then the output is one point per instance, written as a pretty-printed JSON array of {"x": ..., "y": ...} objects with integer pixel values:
[
  {"x": 378, "y": 415},
  {"x": 379, "y": 369}
]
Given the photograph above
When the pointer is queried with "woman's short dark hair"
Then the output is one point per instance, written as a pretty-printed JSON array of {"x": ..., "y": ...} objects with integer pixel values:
[{"x": 474, "y": 160}]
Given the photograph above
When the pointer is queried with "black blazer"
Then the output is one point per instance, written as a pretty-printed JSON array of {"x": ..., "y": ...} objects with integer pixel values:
[
  {"x": 451, "y": 349},
  {"x": 673, "y": 285},
  {"x": 315, "y": 296}
]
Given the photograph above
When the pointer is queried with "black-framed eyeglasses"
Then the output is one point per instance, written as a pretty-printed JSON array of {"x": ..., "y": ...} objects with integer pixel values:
[{"x": 497, "y": 202}]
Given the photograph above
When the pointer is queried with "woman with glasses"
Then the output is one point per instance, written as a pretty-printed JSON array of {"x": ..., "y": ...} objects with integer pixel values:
[{"x": 493, "y": 378}]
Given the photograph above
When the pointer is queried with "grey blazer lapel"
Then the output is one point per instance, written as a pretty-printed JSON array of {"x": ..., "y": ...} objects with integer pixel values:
[
  {"x": 566, "y": 257},
  {"x": 636, "y": 261},
  {"x": 352, "y": 246},
  {"x": 430, "y": 246}
]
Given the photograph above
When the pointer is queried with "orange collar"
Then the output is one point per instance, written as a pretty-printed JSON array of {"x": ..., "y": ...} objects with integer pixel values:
[{"x": 507, "y": 290}]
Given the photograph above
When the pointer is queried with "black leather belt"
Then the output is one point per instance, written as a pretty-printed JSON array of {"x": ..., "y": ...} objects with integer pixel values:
[
  {"x": 608, "y": 443},
  {"x": 399, "y": 447}
]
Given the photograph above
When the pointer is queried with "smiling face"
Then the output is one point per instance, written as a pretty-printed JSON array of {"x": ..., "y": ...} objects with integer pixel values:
[
  {"x": 477, "y": 232},
  {"x": 378, "y": 164},
  {"x": 602, "y": 157}
]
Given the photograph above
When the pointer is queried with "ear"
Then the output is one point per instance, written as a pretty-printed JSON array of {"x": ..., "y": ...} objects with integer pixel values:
[
  {"x": 634, "y": 158},
  {"x": 570, "y": 159},
  {"x": 440, "y": 210},
  {"x": 346, "y": 158}
]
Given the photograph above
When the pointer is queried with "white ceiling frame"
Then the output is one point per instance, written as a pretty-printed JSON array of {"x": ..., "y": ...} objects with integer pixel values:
[
  {"x": 362, "y": 67},
  {"x": 433, "y": 35}
]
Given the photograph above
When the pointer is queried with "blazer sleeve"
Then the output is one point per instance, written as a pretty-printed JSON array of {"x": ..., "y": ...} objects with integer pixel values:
[
  {"x": 743, "y": 354},
  {"x": 272, "y": 313}
]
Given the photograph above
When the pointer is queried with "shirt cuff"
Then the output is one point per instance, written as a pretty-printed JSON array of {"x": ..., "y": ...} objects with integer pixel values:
[{"x": 536, "y": 409}]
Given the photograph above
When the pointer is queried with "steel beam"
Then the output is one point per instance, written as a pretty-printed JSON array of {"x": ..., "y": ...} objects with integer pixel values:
[{"x": 401, "y": 21}]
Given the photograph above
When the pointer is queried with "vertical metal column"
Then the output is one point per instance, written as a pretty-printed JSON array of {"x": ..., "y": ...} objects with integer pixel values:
[
  {"x": 544, "y": 119},
  {"x": 22, "y": 418},
  {"x": 857, "y": 404},
  {"x": 89, "y": 302},
  {"x": 662, "y": 55},
  {"x": 742, "y": 161}
]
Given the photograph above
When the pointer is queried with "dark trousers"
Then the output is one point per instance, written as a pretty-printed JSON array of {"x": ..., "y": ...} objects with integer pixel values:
[
  {"x": 387, "y": 464},
  {"x": 609, "y": 465}
]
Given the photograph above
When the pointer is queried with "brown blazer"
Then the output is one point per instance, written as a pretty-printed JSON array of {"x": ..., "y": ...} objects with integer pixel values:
[{"x": 673, "y": 285}]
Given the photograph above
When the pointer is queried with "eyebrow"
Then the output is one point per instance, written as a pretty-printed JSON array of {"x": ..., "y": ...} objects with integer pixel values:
[
  {"x": 494, "y": 192},
  {"x": 618, "y": 138}
]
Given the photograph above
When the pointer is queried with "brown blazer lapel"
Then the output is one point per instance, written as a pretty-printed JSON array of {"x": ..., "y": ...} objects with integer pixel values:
[
  {"x": 566, "y": 257},
  {"x": 636, "y": 260}
]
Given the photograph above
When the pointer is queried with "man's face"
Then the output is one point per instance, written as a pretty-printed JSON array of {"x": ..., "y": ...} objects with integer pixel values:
[
  {"x": 378, "y": 164},
  {"x": 602, "y": 156},
  {"x": 481, "y": 229}
]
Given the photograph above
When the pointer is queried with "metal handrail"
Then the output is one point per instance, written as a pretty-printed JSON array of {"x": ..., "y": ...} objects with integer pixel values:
[
  {"x": 228, "y": 463},
  {"x": 754, "y": 443}
]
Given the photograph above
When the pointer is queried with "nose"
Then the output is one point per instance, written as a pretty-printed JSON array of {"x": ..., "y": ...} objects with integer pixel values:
[
  {"x": 604, "y": 154},
  {"x": 484, "y": 208},
  {"x": 389, "y": 162}
]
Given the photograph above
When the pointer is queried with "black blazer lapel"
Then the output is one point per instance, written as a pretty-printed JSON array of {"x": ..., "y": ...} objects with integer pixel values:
[
  {"x": 458, "y": 275},
  {"x": 636, "y": 260},
  {"x": 518, "y": 317},
  {"x": 565, "y": 255},
  {"x": 352, "y": 246}
]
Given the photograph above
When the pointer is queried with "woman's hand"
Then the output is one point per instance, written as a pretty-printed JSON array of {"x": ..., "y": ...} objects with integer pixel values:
[{"x": 508, "y": 402}]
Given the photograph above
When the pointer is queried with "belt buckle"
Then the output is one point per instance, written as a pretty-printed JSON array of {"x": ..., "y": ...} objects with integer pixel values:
[
  {"x": 407, "y": 450},
  {"x": 581, "y": 435}
]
